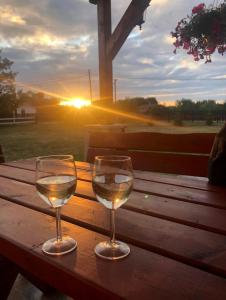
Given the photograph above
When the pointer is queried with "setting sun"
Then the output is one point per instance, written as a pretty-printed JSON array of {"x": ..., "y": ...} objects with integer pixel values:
[{"x": 76, "y": 102}]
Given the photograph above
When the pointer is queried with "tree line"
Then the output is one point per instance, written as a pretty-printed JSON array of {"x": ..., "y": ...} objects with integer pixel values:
[
  {"x": 185, "y": 109},
  {"x": 11, "y": 98}
]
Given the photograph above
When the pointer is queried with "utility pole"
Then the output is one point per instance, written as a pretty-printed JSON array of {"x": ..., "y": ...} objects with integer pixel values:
[
  {"x": 115, "y": 90},
  {"x": 90, "y": 86}
]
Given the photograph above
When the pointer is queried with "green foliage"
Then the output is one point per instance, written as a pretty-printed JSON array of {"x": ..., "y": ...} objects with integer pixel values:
[
  {"x": 8, "y": 99},
  {"x": 209, "y": 119},
  {"x": 178, "y": 121},
  {"x": 185, "y": 105},
  {"x": 134, "y": 104},
  {"x": 37, "y": 99}
]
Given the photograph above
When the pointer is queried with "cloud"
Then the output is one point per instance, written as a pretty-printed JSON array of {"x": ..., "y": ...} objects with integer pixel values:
[
  {"x": 53, "y": 43},
  {"x": 9, "y": 16}
]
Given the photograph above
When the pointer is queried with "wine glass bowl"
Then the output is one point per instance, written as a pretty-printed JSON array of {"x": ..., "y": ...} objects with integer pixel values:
[
  {"x": 55, "y": 183},
  {"x": 112, "y": 182}
]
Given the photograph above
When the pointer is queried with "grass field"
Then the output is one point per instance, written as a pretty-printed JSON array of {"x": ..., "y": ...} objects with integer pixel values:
[{"x": 24, "y": 141}]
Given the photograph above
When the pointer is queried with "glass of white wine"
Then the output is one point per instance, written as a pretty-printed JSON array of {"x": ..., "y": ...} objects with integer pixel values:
[
  {"x": 112, "y": 184},
  {"x": 55, "y": 183}
]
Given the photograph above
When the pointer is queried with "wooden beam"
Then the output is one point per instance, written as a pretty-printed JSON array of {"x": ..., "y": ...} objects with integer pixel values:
[
  {"x": 110, "y": 44},
  {"x": 105, "y": 61},
  {"x": 130, "y": 19}
]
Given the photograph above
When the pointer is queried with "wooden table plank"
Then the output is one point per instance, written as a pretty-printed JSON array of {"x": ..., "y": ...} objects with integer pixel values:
[
  {"x": 197, "y": 247},
  {"x": 142, "y": 275},
  {"x": 209, "y": 218},
  {"x": 178, "y": 180},
  {"x": 208, "y": 198}
]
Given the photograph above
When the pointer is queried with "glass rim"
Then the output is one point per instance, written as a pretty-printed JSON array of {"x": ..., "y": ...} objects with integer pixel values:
[
  {"x": 113, "y": 157},
  {"x": 55, "y": 156}
]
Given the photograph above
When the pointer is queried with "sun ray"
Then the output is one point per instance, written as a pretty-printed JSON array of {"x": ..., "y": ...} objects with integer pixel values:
[
  {"x": 131, "y": 116},
  {"x": 76, "y": 102}
]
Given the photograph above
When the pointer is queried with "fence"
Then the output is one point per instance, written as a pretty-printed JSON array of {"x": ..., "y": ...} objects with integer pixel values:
[{"x": 17, "y": 120}]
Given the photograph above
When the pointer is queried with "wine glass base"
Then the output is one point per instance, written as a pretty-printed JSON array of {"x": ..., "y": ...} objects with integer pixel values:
[
  {"x": 112, "y": 251},
  {"x": 54, "y": 247}
]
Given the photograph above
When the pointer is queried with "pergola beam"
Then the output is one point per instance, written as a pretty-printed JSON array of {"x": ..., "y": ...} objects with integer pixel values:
[
  {"x": 105, "y": 61},
  {"x": 110, "y": 44},
  {"x": 131, "y": 18}
]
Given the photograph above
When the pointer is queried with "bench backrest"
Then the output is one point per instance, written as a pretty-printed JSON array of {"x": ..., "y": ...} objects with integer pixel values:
[
  {"x": 185, "y": 154},
  {"x": 2, "y": 159}
]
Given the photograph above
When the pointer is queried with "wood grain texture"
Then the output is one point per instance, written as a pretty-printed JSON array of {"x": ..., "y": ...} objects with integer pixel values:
[
  {"x": 82, "y": 275},
  {"x": 174, "y": 179},
  {"x": 168, "y": 191},
  {"x": 132, "y": 16},
  {"x": 185, "y": 154},
  {"x": 175, "y": 163},
  {"x": 183, "y": 210},
  {"x": 2, "y": 159},
  {"x": 151, "y": 141},
  {"x": 207, "y": 195},
  {"x": 144, "y": 230}
]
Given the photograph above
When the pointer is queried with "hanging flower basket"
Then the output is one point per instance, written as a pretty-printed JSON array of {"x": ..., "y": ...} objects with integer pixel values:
[{"x": 202, "y": 33}]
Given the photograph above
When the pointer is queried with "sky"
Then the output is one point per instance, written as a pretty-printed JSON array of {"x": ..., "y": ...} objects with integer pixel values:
[{"x": 54, "y": 43}]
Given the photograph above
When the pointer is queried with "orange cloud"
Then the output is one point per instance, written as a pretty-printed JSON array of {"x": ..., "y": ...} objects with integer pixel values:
[{"x": 9, "y": 16}]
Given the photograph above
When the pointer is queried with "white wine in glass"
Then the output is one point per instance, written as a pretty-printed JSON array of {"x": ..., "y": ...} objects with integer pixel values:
[
  {"x": 112, "y": 184},
  {"x": 55, "y": 183}
]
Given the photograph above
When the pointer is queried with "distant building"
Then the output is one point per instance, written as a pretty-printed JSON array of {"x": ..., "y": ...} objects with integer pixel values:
[{"x": 26, "y": 109}]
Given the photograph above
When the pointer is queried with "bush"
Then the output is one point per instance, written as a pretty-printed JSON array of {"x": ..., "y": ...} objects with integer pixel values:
[
  {"x": 209, "y": 120},
  {"x": 178, "y": 121}
]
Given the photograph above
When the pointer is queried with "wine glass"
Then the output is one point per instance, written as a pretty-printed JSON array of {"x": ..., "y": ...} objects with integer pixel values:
[
  {"x": 112, "y": 184},
  {"x": 55, "y": 183}
]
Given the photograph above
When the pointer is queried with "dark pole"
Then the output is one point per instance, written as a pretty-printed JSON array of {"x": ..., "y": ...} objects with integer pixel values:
[
  {"x": 115, "y": 90},
  {"x": 90, "y": 86}
]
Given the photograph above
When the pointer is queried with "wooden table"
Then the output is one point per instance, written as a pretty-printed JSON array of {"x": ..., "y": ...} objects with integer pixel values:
[{"x": 176, "y": 228}]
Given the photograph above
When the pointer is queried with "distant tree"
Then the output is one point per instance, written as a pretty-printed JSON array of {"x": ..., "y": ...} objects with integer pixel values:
[
  {"x": 36, "y": 99},
  {"x": 152, "y": 100},
  {"x": 185, "y": 105},
  {"x": 134, "y": 104},
  {"x": 8, "y": 99},
  {"x": 208, "y": 105}
]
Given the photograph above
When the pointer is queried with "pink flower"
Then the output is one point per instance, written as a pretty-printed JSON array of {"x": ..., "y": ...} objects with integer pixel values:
[
  {"x": 198, "y": 8},
  {"x": 210, "y": 50},
  {"x": 186, "y": 45}
]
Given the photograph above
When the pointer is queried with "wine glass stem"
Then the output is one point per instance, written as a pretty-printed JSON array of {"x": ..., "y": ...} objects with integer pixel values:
[
  {"x": 112, "y": 238},
  {"x": 58, "y": 224}
]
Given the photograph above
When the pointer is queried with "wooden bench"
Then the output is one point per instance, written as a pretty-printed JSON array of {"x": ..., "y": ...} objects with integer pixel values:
[
  {"x": 2, "y": 159},
  {"x": 106, "y": 127},
  {"x": 185, "y": 154}
]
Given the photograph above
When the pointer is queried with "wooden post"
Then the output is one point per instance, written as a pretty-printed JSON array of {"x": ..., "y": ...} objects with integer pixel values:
[
  {"x": 105, "y": 61},
  {"x": 110, "y": 43}
]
